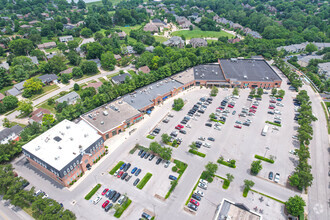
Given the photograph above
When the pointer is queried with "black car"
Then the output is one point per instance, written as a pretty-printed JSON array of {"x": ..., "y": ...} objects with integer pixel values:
[
  {"x": 151, "y": 157},
  {"x": 25, "y": 184},
  {"x": 270, "y": 175},
  {"x": 112, "y": 194},
  {"x": 116, "y": 197},
  {"x": 146, "y": 156},
  {"x": 157, "y": 130},
  {"x": 246, "y": 124},
  {"x": 198, "y": 144},
  {"x": 143, "y": 154},
  {"x": 137, "y": 172},
  {"x": 208, "y": 124},
  {"x": 136, "y": 182},
  {"x": 186, "y": 118},
  {"x": 210, "y": 99},
  {"x": 183, "y": 132},
  {"x": 277, "y": 121},
  {"x": 127, "y": 166},
  {"x": 140, "y": 152},
  {"x": 202, "y": 99},
  {"x": 197, "y": 197},
  {"x": 183, "y": 122},
  {"x": 204, "y": 106},
  {"x": 165, "y": 120},
  {"x": 124, "y": 176},
  {"x": 108, "y": 207},
  {"x": 223, "y": 104},
  {"x": 210, "y": 139},
  {"x": 158, "y": 161},
  {"x": 192, "y": 206},
  {"x": 128, "y": 178},
  {"x": 201, "y": 111},
  {"x": 190, "y": 114}
]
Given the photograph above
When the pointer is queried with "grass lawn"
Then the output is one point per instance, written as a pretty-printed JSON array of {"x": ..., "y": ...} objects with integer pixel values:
[
  {"x": 52, "y": 50},
  {"x": 127, "y": 30},
  {"x": 45, "y": 90},
  {"x": 102, "y": 80},
  {"x": 112, "y": 75},
  {"x": 28, "y": 210},
  {"x": 13, "y": 123},
  {"x": 201, "y": 34},
  {"x": 132, "y": 72},
  {"x": 78, "y": 40},
  {"x": 45, "y": 40},
  {"x": 4, "y": 89},
  {"x": 99, "y": 3},
  {"x": 46, "y": 106},
  {"x": 160, "y": 39},
  {"x": 85, "y": 76}
]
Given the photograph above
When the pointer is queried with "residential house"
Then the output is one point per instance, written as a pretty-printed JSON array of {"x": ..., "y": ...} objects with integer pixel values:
[
  {"x": 151, "y": 28},
  {"x": 117, "y": 57},
  {"x": 80, "y": 23},
  {"x": 255, "y": 34},
  {"x": 304, "y": 60},
  {"x": 122, "y": 35},
  {"x": 67, "y": 71},
  {"x": 247, "y": 30},
  {"x": 5, "y": 18},
  {"x": 10, "y": 134},
  {"x": 150, "y": 11},
  {"x": 150, "y": 49},
  {"x": 159, "y": 23},
  {"x": 234, "y": 40},
  {"x": 70, "y": 98},
  {"x": 174, "y": 41},
  {"x": 97, "y": 61},
  {"x": 24, "y": 26},
  {"x": 34, "y": 59},
  {"x": 95, "y": 85},
  {"x": 37, "y": 115},
  {"x": 68, "y": 26},
  {"x": 48, "y": 78},
  {"x": 3, "y": 46},
  {"x": 324, "y": 69},
  {"x": 209, "y": 11},
  {"x": 66, "y": 38},
  {"x": 144, "y": 69},
  {"x": 46, "y": 45},
  {"x": 120, "y": 78},
  {"x": 237, "y": 26},
  {"x": 198, "y": 20},
  {"x": 183, "y": 22},
  {"x": 50, "y": 56},
  {"x": 19, "y": 16},
  {"x": 194, "y": 16},
  {"x": 45, "y": 14},
  {"x": 198, "y": 42},
  {"x": 33, "y": 22},
  {"x": 17, "y": 89},
  {"x": 129, "y": 50}
]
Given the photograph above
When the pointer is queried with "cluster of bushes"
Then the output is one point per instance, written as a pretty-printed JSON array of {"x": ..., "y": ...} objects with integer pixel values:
[
  {"x": 273, "y": 123},
  {"x": 248, "y": 184},
  {"x": 196, "y": 153},
  {"x": 269, "y": 160},
  {"x": 231, "y": 163},
  {"x": 119, "y": 164},
  {"x": 122, "y": 208},
  {"x": 178, "y": 104},
  {"x": 163, "y": 152},
  {"x": 256, "y": 167},
  {"x": 144, "y": 181},
  {"x": 214, "y": 91},
  {"x": 93, "y": 191},
  {"x": 302, "y": 177}
]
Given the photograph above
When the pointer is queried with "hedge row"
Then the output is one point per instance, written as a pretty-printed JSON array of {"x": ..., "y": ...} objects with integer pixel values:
[
  {"x": 215, "y": 120},
  {"x": 121, "y": 210},
  {"x": 144, "y": 181},
  {"x": 196, "y": 153},
  {"x": 245, "y": 192},
  {"x": 263, "y": 158},
  {"x": 180, "y": 168},
  {"x": 226, "y": 163},
  {"x": 116, "y": 167},
  {"x": 273, "y": 123},
  {"x": 92, "y": 192},
  {"x": 226, "y": 184},
  {"x": 151, "y": 137}
]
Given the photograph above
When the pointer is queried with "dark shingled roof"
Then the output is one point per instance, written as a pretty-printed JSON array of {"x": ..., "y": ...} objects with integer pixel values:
[
  {"x": 208, "y": 72},
  {"x": 8, "y": 131}
]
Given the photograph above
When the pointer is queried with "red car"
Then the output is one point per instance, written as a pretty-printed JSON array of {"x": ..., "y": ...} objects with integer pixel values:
[
  {"x": 105, "y": 191},
  {"x": 238, "y": 126},
  {"x": 194, "y": 202},
  {"x": 230, "y": 106},
  {"x": 272, "y": 101},
  {"x": 177, "y": 127},
  {"x": 271, "y": 107},
  {"x": 221, "y": 108},
  {"x": 181, "y": 126},
  {"x": 253, "y": 106},
  {"x": 105, "y": 203},
  {"x": 120, "y": 174},
  {"x": 252, "y": 110}
]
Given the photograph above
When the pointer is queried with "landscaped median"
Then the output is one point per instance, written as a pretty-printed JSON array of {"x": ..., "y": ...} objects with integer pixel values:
[
  {"x": 273, "y": 123},
  {"x": 92, "y": 192},
  {"x": 264, "y": 158},
  {"x": 215, "y": 120},
  {"x": 144, "y": 181},
  {"x": 122, "y": 208},
  {"x": 277, "y": 200},
  {"x": 226, "y": 182},
  {"x": 196, "y": 153},
  {"x": 231, "y": 163},
  {"x": 180, "y": 168},
  {"x": 151, "y": 137},
  {"x": 116, "y": 167}
]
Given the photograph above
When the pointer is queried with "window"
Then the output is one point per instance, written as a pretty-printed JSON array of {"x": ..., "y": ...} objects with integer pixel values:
[
  {"x": 71, "y": 168},
  {"x": 74, "y": 164},
  {"x": 77, "y": 162},
  {"x": 64, "y": 172},
  {"x": 107, "y": 136},
  {"x": 68, "y": 170},
  {"x": 114, "y": 132}
]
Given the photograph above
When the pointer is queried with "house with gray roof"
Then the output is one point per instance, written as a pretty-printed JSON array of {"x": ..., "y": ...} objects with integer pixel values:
[
  {"x": 34, "y": 59},
  {"x": 65, "y": 38},
  {"x": 48, "y": 78},
  {"x": 324, "y": 69},
  {"x": 174, "y": 41},
  {"x": 70, "y": 98},
  {"x": 47, "y": 45},
  {"x": 151, "y": 28},
  {"x": 198, "y": 42},
  {"x": 119, "y": 79},
  {"x": 4, "y": 65},
  {"x": 150, "y": 49},
  {"x": 122, "y": 35},
  {"x": 10, "y": 134},
  {"x": 17, "y": 89}
]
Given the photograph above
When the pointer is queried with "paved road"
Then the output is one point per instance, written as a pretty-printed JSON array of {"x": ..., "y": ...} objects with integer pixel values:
[
  {"x": 12, "y": 116},
  {"x": 8, "y": 212}
]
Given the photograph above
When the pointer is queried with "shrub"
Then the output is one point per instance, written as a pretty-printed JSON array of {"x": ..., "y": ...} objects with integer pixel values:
[
  {"x": 226, "y": 184},
  {"x": 273, "y": 123},
  {"x": 228, "y": 164},
  {"x": 263, "y": 158},
  {"x": 256, "y": 167},
  {"x": 92, "y": 192},
  {"x": 121, "y": 210},
  {"x": 150, "y": 137},
  {"x": 209, "y": 179},
  {"x": 144, "y": 181},
  {"x": 116, "y": 167},
  {"x": 174, "y": 169},
  {"x": 196, "y": 153},
  {"x": 245, "y": 191}
]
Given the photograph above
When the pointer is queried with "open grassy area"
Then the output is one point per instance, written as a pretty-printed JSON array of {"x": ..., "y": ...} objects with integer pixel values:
[
  {"x": 127, "y": 30},
  {"x": 52, "y": 50},
  {"x": 144, "y": 181},
  {"x": 46, "y": 106},
  {"x": 45, "y": 40},
  {"x": 160, "y": 39},
  {"x": 201, "y": 34},
  {"x": 99, "y": 3},
  {"x": 45, "y": 91},
  {"x": 102, "y": 80}
]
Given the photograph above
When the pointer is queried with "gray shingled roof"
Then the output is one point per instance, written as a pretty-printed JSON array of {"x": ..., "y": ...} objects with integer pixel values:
[
  {"x": 48, "y": 78},
  {"x": 8, "y": 131},
  {"x": 68, "y": 97},
  {"x": 120, "y": 78}
]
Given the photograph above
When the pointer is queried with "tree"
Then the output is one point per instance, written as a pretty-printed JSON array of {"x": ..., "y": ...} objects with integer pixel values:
[
  {"x": 214, "y": 91},
  {"x": 193, "y": 146},
  {"x": 166, "y": 153},
  {"x": 295, "y": 205},
  {"x": 155, "y": 147},
  {"x": 108, "y": 61},
  {"x": 81, "y": 4},
  {"x": 72, "y": 44},
  {"x": 21, "y": 46},
  {"x": 55, "y": 65},
  {"x": 166, "y": 138},
  {"x": 4, "y": 78},
  {"x": 65, "y": 77},
  {"x": 281, "y": 93},
  {"x": 252, "y": 92},
  {"x": 32, "y": 86},
  {"x": 10, "y": 102},
  {"x": 248, "y": 184},
  {"x": 211, "y": 168},
  {"x": 25, "y": 107},
  {"x": 311, "y": 48},
  {"x": 212, "y": 116},
  {"x": 260, "y": 91},
  {"x": 230, "y": 177},
  {"x": 73, "y": 57},
  {"x": 94, "y": 50},
  {"x": 178, "y": 104},
  {"x": 89, "y": 67},
  {"x": 48, "y": 120},
  {"x": 139, "y": 48},
  {"x": 274, "y": 91},
  {"x": 86, "y": 32},
  {"x": 256, "y": 167},
  {"x": 6, "y": 123},
  {"x": 76, "y": 87},
  {"x": 236, "y": 91},
  {"x": 77, "y": 72}
]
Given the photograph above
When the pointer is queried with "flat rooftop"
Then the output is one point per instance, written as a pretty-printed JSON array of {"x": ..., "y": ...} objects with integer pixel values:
[
  {"x": 110, "y": 115},
  {"x": 184, "y": 77},
  {"x": 209, "y": 72},
  {"x": 236, "y": 212},
  {"x": 248, "y": 70},
  {"x": 145, "y": 96},
  {"x": 60, "y": 145}
]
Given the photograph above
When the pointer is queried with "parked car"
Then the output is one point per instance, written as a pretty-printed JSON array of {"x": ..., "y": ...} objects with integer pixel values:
[
  {"x": 127, "y": 166},
  {"x": 183, "y": 132},
  {"x": 108, "y": 207},
  {"x": 115, "y": 198},
  {"x": 136, "y": 182},
  {"x": 112, "y": 194},
  {"x": 128, "y": 178},
  {"x": 122, "y": 199},
  {"x": 105, "y": 191},
  {"x": 277, "y": 178},
  {"x": 210, "y": 139},
  {"x": 198, "y": 192},
  {"x": 120, "y": 174},
  {"x": 147, "y": 155},
  {"x": 202, "y": 185},
  {"x": 137, "y": 172},
  {"x": 238, "y": 122},
  {"x": 172, "y": 177},
  {"x": 98, "y": 198},
  {"x": 140, "y": 152},
  {"x": 234, "y": 112},
  {"x": 124, "y": 176},
  {"x": 193, "y": 201},
  {"x": 208, "y": 124},
  {"x": 158, "y": 161},
  {"x": 270, "y": 175},
  {"x": 192, "y": 206},
  {"x": 105, "y": 203},
  {"x": 152, "y": 156},
  {"x": 167, "y": 163},
  {"x": 122, "y": 166},
  {"x": 133, "y": 170},
  {"x": 238, "y": 126},
  {"x": 143, "y": 154},
  {"x": 197, "y": 197}
]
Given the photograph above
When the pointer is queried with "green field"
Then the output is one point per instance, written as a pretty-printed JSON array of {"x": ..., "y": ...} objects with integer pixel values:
[
  {"x": 99, "y": 3},
  {"x": 127, "y": 30},
  {"x": 201, "y": 34},
  {"x": 160, "y": 39}
]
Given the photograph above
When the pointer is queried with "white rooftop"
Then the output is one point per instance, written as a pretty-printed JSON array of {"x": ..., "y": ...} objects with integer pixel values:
[{"x": 60, "y": 145}]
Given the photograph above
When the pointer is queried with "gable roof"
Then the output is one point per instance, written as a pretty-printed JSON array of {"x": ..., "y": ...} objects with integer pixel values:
[
  {"x": 16, "y": 129},
  {"x": 47, "y": 78},
  {"x": 120, "y": 78},
  {"x": 68, "y": 97},
  {"x": 38, "y": 114}
]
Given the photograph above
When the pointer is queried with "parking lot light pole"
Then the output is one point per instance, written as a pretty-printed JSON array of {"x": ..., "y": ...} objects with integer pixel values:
[{"x": 267, "y": 148}]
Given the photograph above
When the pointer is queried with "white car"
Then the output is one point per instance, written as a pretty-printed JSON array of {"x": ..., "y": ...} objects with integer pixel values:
[
  {"x": 277, "y": 178},
  {"x": 218, "y": 124},
  {"x": 121, "y": 199},
  {"x": 203, "y": 181},
  {"x": 217, "y": 128},
  {"x": 98, "y": 198},
  {"x": 201, "y": 138},
  {"x": 45, "y": 196},
  {"x": 275, "y": 128},
  {"x": 277, "y": 112},
  {"x": 188, "y": 126},
  {"x": 292, "y": 152},
  {"x": 278, "y": 118},
  {"x": 202, "y": 185},
  {"x": 197, "y": 114},
  {"x": 295, "y": 137},
  {"x": 279, "y": 104},
  {"x": 200, "y": 193},
  {"x": 224, "y": 114},
  {"x": 207, "y": 145},
  {"x": 116, "y": 173}
]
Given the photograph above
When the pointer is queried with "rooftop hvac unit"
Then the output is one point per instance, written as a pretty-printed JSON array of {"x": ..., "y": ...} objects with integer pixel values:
[
  {"x": 58, "y": 157},
  {"x": 47, "y": 139},
  {"x": 67, "y": 127},
  {"x": 245, "y": 77},
  {"x": 85, "y": 135},
  {"x": 102, "y": 122},
  {"x": 37, "y": 148},
  {"x": 71, "y": 138},
  {"x": 105, "y": 113},
  {"x": 59, "y": 147}
]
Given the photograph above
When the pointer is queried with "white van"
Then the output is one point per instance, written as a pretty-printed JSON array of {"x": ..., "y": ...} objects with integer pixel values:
[{"x": 264, "y": 130}]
